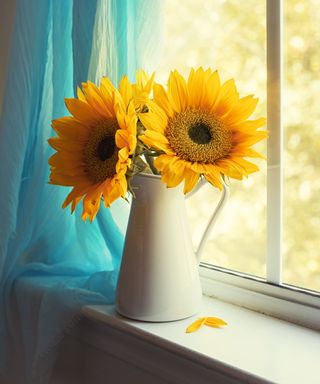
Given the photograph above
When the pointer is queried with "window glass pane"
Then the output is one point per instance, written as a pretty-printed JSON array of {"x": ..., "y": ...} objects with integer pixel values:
[
  {"x": 302, "y": 144},
  {"x": 229, "y": 36}
]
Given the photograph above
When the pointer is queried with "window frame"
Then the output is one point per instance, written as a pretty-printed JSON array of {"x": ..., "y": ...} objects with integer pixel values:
[
  {"x": 283, "y": 301},
  {"x": 274, "y": 21},
  {"x": 270, "y": 295}
]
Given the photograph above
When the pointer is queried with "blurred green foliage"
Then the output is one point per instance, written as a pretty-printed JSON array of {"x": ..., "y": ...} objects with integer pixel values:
[{"x": 231, "y": 36}]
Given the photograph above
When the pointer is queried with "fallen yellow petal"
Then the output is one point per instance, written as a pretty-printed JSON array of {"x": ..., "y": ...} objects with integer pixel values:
[
  {"x": 196, "y": 325},
  {"x": 215, "y": 322}
]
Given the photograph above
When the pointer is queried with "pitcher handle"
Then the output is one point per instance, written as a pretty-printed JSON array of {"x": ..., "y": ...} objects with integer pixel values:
[{"x": 216, "y": 213}]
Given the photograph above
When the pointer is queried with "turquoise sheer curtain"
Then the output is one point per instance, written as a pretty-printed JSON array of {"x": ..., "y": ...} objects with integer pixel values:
[{"x": 51, "y": 263}]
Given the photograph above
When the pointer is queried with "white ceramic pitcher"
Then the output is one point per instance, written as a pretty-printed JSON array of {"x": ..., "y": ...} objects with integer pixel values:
[{"x": 159, "y": 278}]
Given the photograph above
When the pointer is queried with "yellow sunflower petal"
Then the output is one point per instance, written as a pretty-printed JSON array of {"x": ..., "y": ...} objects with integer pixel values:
[
  {"x": 91, "y": 202},
  {"x": 212, "y": 87},
  {"x": 67, "y": 174},
  {"x": 144, "y": 82},
  {"x": 106, "y": 87},
  {"x": 237, "y": 166},
  {"x": 59, "y": 144},
  {"x": 242, "y": 110},
  {"x": 214, "y": 178},
  {"x": 94, "y": 98},
  {"x": 227, "y": 97},
  {"x": 247, "y": 166},
  {"x": 65, "y": 180},
  {"x": 107, "y": 187},
  {"x": 234, "y": 172},
  {"x": 203, "y": 88},
  {"x": 125, "y": 139},
  {"x": 244, "y": 151},
  {"x": 248, "y": 140},
  {"x": 249, "y": 126},
  {"x": 114, "y": 192},
  {"x": 113, "y": 189},
  {"x": 123, "y": 156},
  {"x": 161, "y": 98},
  {"x": 108, "y": 92},
  {"x": 70, "y": 170},
  {"x": 159, "y": 114},
  {"x": 131, "y": 123},
  {"x": 80, "y": 94},
  {"x": 191, "y": 179},
  {"x": 196, "y": 325},
  {"x": 177, "y": 92},
  {"x": 70, "y": 128},
  {"x": 90, "y": 208},
  {"x": 142, "y": 89},
  {"x": 198, "y": 168},
  {"x": 121, "y": 116},
  {"x": 165, "y": 162},
  {"x": 87, "y": 213},
  {"x": 252, "y": 153},
  {"x": 215, "y": 322},
  {"x": 122, "y": 181},
  {"x": 61, "y": 160},
  {"x": 153, "y": 121},
  {"x": 176, "y": 174},
  {"x": 162, "y": 161},
  {"x": 156, "y": 140},
  {"x": 196, "y": 85},
  {"x": 125, "y": 89},
  {"x": 74, "y": 197},
  {"x": 75, "y": 202},
  {"x": 81, "y": 111}
]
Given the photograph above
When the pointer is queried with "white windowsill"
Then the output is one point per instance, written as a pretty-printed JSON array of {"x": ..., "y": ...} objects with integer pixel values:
[{"x": 253, "y": 347}]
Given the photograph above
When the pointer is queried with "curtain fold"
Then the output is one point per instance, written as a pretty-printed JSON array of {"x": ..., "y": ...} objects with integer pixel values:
[{"x": 52, "y": 263}]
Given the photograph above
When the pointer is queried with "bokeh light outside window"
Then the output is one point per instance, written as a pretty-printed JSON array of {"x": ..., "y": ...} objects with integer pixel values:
[{"x": 231, "y": 36}]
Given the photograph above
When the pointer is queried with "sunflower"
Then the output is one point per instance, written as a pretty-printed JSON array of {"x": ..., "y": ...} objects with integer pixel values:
[
  {"x": 141, "y": 90},
  {"x": 95, "y": 145},
  {"x": 200, "y": 128}
]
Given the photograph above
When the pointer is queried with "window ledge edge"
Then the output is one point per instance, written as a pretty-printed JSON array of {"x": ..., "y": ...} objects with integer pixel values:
[
  {"x": 247, "y": 350},
  {"x": 287, "y": 304}
]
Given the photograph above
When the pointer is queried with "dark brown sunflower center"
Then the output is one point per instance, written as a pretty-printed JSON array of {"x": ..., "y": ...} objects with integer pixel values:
[
  {"x": 200, "y": 133},
  {"x": 101, "y": 153},
  {"x": 106, "y": 148},
  {"x": 198, "y": 136}
]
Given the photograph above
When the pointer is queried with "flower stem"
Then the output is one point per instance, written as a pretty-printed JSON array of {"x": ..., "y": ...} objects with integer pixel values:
[{"x": 149, "y": 160}]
